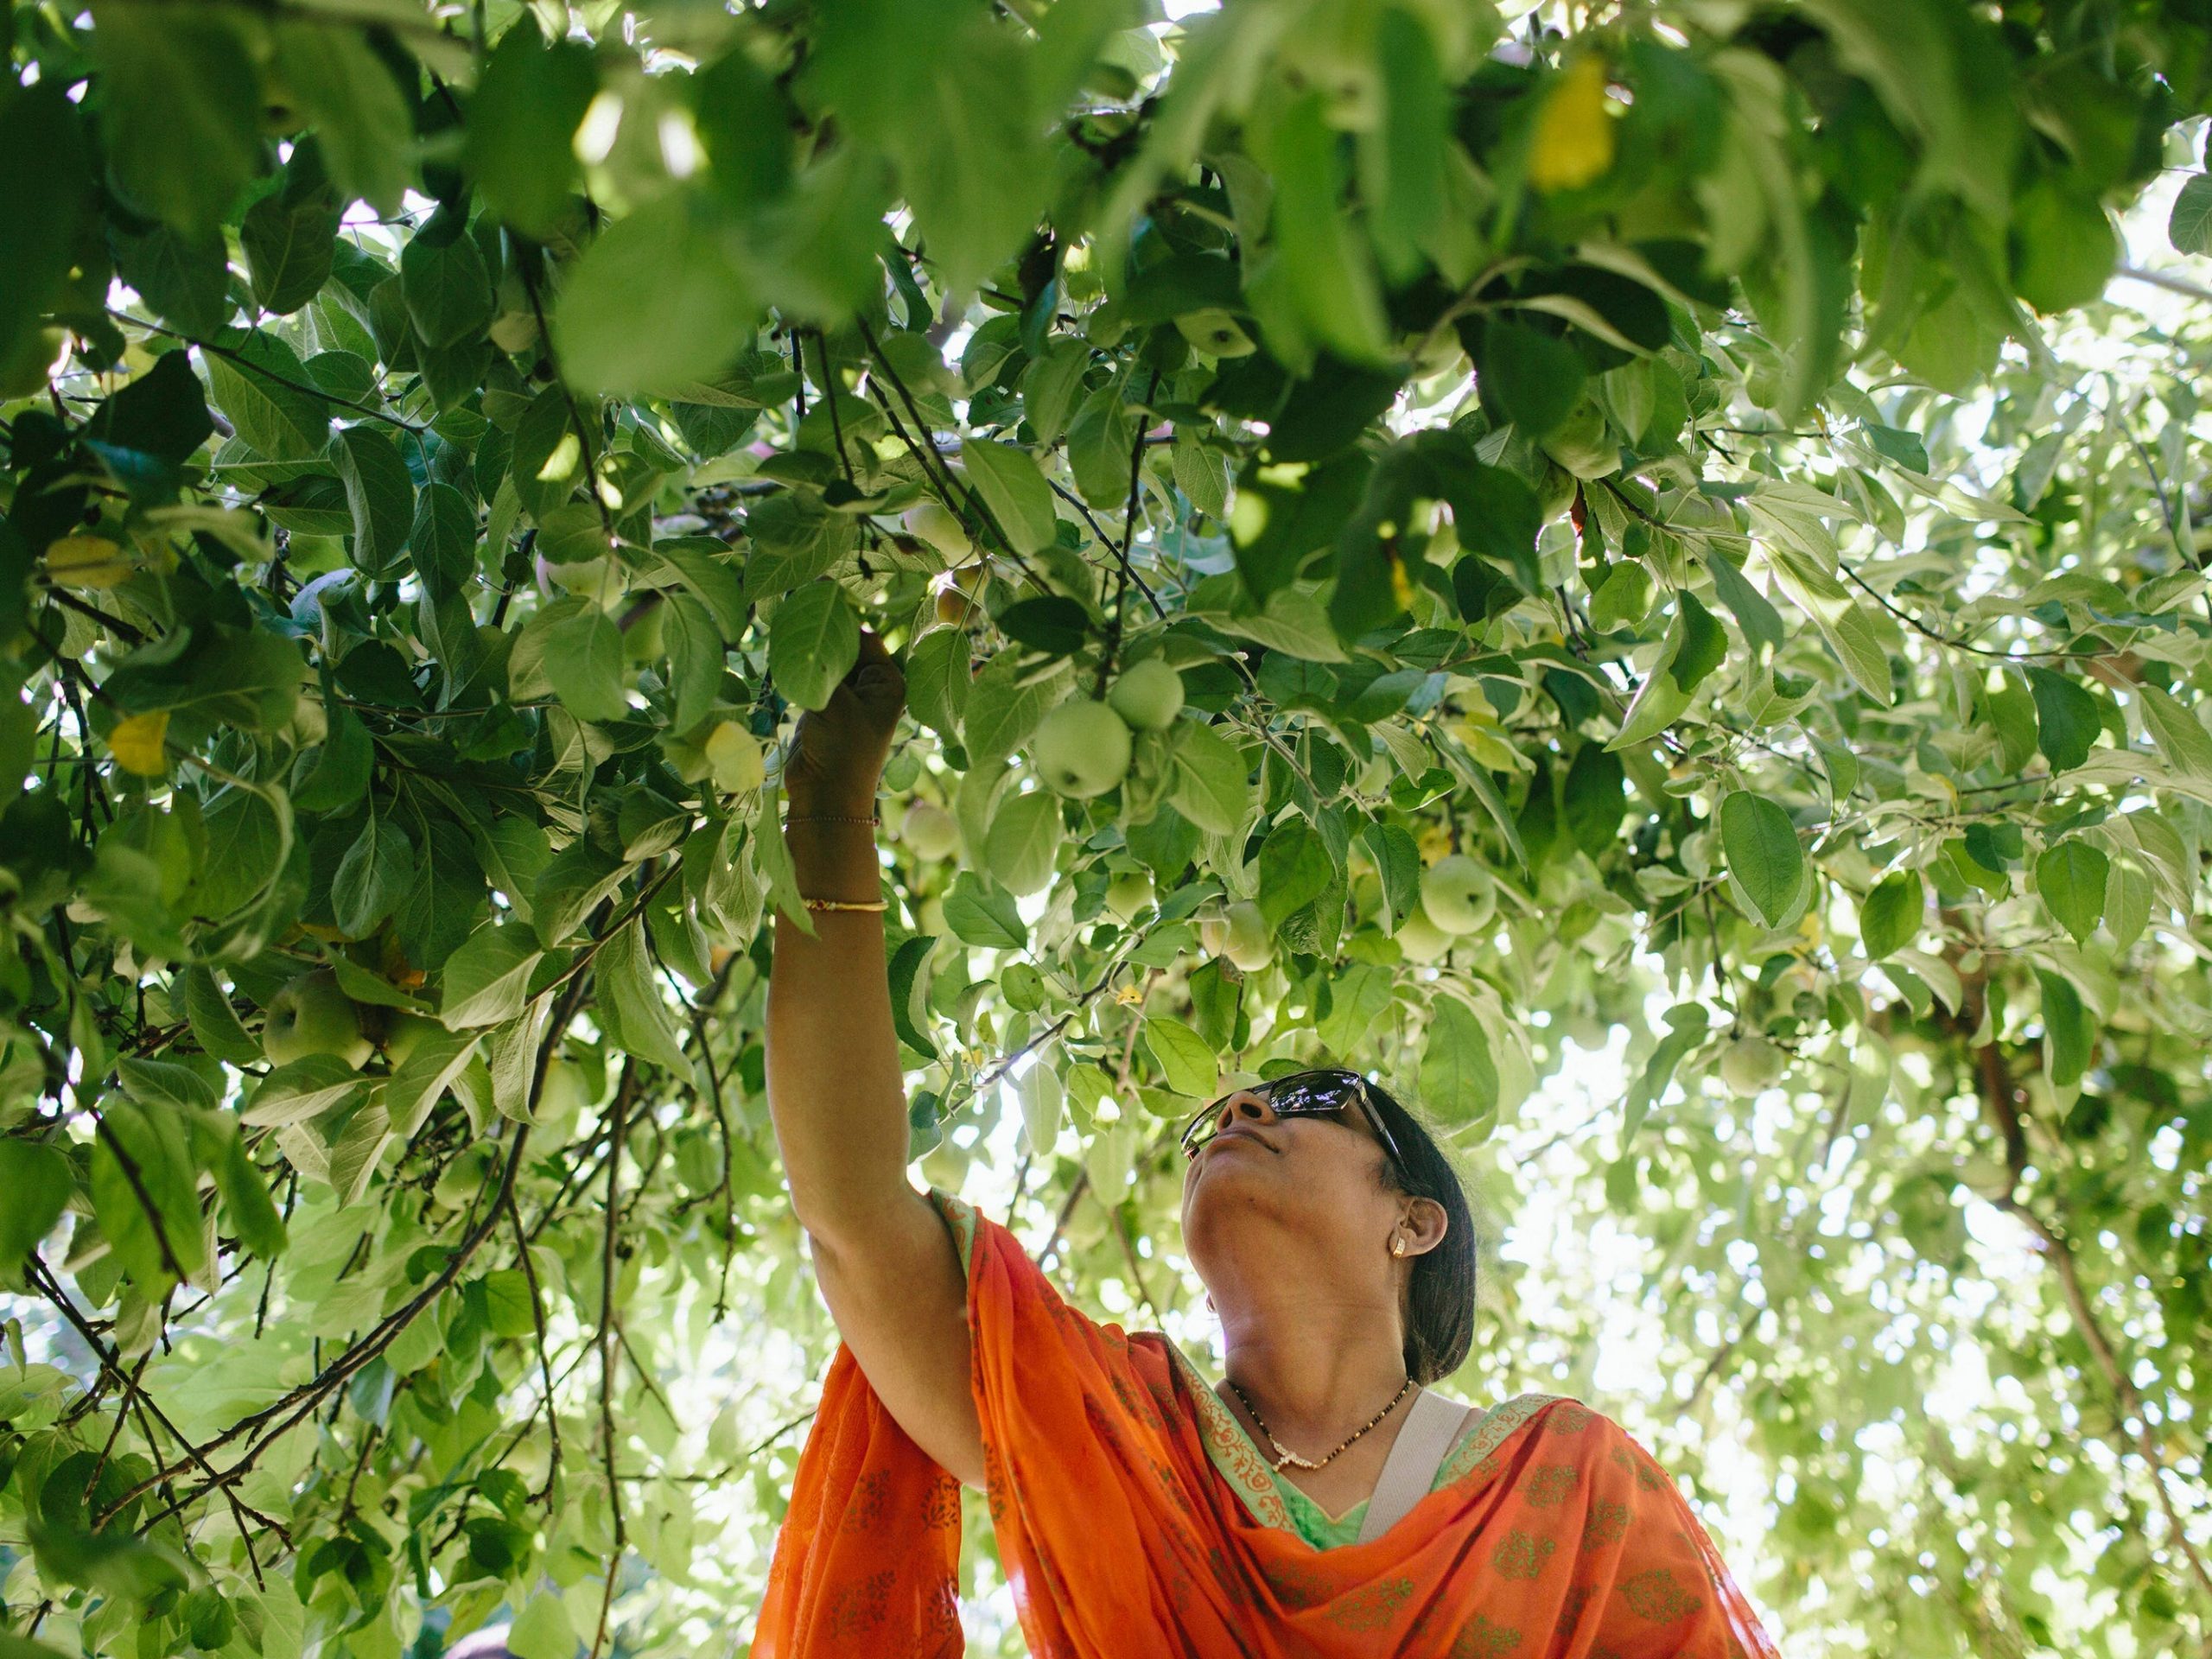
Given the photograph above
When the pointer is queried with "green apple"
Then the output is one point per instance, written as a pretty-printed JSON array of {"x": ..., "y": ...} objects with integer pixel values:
[
  {"x": 641, "y": 640},
  {"x": 934, "y": 522},
  {"x": 1421, "y": 939},
  {"x": 1082, "y": 749},
  {"x": 734, "y": 754},
  {"x": 931, "y": 831},
  {"x": 1556, "y": 493},
  {"x": 599, "y": 580},
  {"x": 403, "y": 1033},
  {"x": 311, "y": 1015},
  {"x": 1251, "y": 942},
  {"x": 1148, "y": 696},
  {"x": 1583, "y": 445},
  {"x": 1215, "y": 332},
  {"x": 1458, "y": 894},
  {"x": 1127, "y": 893},
  {"x": 1750, "y": 1065}
]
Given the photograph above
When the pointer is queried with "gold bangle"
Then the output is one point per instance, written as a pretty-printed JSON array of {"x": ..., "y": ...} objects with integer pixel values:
[
  {"x": 873, "y": 821},
  {"x": 841, "y": 904}
]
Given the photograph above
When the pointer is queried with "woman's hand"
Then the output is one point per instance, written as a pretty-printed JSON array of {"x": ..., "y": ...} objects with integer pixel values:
[{"x": 838, "y": 755}]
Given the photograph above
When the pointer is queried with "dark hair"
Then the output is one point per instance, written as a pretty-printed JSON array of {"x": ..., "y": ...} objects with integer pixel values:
[{"x": 1441, "y": 1305}]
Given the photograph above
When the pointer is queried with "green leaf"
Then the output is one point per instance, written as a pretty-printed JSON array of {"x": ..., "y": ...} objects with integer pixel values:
[
  {"x": 1459, "y": 1079},
  {"x": 2188, "y": 226},
  {"x": 442, "y": 540},
  {"x": 1011, "y": 486},
  {"x": 1704, "y": 643},
  {"x": 1528, "y": 378},
  {"x": 215, "y": 1024},
  {"x": 2066, "y": 719},
  {"x": 1295, "y": 869},
  {"x": 2069, "y": 1030},
  {"x": 1185, "y": 1061},
  {"x": 38, "y": 1181},
  {"x": 980, "y": 913},
  {"x": 545, "y": 1629},
  {"x": 45, "y": 195},
  {"x": 487, "y": 979},
  {"x": 181, "y": 104},
  {"x": 1099, "y": 441},
  {"x": 441, "y": 275},
  {"x": 2063, "y": 244},
  {"x": 1590, "y": 797},
  {"x": 1762, "y": 853},
  {"x": 261, "y": 385},
  {"x": 1001, "y": 712},
  {"x": 287, "y": 249},
  {"x": 1397, "y": 860},
  {"x": 360, "y": 114},
  {"x": 372, "y": 877},
  {"x": 2179, "y": 733},
  {"x": 549, "y": 459},
  {"x": 624, "y": 965},
  {"x": 380, "y": 493},
  {"x": 1891, "y": 914},
  {"x": 814, "y": 639},
  {"x": 1024, "y": 840},
  {"x": 301, "y": 1089},
  {"x": 1360, "y": 997},
  {"x": 653, "y": 296},
  {"x": 143, "y": 1193},
  {"x": 937, "y": 680},
  {"x": 2070, "y": 878},
  {"x": 1325, "y": 273},
  {"x": 248, "y": 1211},
  {"x": 583, "y": 660},
  {"x": 1212, "y": 785},
  {"x": 522, "y": 127},
  {"x": 334, "y": 774}
]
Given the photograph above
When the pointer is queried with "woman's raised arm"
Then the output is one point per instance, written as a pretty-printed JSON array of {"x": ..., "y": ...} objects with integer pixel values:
[{"x": 887, "y": 1265}]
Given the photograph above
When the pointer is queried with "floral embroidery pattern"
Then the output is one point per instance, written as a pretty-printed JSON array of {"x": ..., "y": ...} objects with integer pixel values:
[
  {"x": 1571, "y": 1418},
  {"x": 1298, "y": 1587},
  {"x": 1655, "y": 1596},
  {"x": 1522, "y": 1554},
  {"x": 1607, "y": 1524},
  {"x": 1372, "y": 1608},
  {"x": 1548, "y": 1486},
  {"x": 1482, "y": 1639},
  {"x": 864, "y": 1510},
  {"x": 941, "y": 1509},
  {"x": 860, "y": 1607}
]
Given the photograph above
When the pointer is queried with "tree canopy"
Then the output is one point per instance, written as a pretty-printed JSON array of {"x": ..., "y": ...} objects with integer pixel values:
[{"x": 1481, "y": 543}]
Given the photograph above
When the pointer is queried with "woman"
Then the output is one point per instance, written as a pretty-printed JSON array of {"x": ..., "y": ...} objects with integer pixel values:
[{"x": 1141, "y": 1510}]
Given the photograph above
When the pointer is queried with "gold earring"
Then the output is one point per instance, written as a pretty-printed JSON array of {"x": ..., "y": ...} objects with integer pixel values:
[{"x": 1397, "y": 1246}]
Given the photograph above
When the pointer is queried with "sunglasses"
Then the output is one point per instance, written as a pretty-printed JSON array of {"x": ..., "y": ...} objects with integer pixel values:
[{"x": 1322, "y": 1093}]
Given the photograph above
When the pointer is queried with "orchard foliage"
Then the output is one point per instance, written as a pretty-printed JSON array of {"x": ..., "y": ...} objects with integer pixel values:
[{"x": 1415, "y": 539}]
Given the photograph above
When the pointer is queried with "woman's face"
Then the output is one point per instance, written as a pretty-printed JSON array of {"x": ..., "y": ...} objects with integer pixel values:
[{"x": 1311, "y": 1188}]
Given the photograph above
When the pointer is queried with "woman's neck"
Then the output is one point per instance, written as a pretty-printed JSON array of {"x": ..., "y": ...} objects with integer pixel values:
[{"x": 1316, "y": 1368}]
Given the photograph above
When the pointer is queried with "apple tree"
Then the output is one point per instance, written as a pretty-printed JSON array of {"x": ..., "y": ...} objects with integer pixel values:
[{"x": 1505, "y": 544}]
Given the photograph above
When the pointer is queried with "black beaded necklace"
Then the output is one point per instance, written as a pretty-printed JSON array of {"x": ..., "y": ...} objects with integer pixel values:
[{"x": 1289, "y": 1458}]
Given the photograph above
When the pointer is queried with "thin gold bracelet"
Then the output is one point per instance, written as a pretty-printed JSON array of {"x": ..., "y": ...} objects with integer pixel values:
[
  {"x": 841, "y": 904},
  {"x": 873, "y": 821}
]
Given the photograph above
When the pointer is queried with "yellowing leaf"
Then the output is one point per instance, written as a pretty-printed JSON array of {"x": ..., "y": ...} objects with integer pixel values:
[
  {"x": 137, "y": 743},
  {"x": 1574, "y": 135},
  {"x": 87, "y": 562}
]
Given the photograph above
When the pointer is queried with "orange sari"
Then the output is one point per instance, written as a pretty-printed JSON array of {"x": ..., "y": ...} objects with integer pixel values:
[{"x": 1135, "y": 1520}]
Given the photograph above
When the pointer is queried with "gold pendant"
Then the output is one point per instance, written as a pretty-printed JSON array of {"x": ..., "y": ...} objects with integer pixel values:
[{"x": 1289, "y": 1458}]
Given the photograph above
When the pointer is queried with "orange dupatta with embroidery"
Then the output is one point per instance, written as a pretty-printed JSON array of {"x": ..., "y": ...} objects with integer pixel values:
[{"x": 1129, "y": 1515}]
